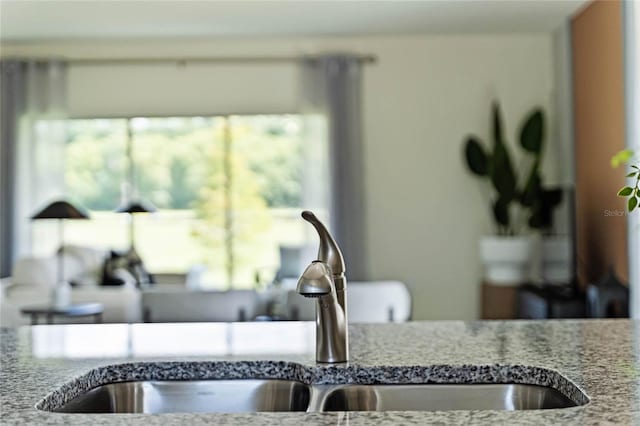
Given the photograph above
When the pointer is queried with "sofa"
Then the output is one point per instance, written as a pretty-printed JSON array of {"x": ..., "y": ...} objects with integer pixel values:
[
  {"x": 180, "y": 305},
  {"x": 33, "y": 279},
  {"x": 367, "y": 302}
]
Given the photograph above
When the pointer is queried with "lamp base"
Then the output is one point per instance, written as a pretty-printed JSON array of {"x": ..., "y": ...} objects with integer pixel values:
[{"x": 61, "y": 295}]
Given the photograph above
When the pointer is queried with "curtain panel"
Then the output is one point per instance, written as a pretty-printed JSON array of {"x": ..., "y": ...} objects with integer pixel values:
[
  {"x": 32, "y": 138},
  {"x": 331, "y": 97}
]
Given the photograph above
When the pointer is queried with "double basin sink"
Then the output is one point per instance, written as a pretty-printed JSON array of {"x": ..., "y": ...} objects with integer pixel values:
[{"x": 234, "y": 396}]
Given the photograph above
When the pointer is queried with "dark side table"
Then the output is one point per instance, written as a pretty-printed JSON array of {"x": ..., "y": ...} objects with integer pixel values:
[{"x": 79, "y": 310}]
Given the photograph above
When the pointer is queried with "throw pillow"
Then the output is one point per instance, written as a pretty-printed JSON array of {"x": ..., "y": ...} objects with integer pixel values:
[
  {"x": 91, "y": 261},
  {"x": 112, "y": 264},
  {"x": 129, "y": 261}
]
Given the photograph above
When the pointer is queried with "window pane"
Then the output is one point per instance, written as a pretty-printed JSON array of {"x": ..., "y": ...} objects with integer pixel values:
[
  {"x": 173, "y": 158},
  {"x": 266, "y": 168},
  {"x": 95, "y": 167},
  {"x": 228, "y": 192},
  {"x": 96, "y": 162}
]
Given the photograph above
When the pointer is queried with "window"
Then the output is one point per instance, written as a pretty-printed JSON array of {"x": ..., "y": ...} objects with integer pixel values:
[{"x": 227, "y": 189}]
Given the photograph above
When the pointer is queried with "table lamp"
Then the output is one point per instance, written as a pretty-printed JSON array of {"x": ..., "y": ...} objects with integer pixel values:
[{"x": 60, "y": 210}]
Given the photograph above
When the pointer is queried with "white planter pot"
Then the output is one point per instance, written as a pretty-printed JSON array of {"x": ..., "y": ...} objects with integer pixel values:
[
  {"x": 556, "y": 260},
  {"x": 507, "y": 260}
]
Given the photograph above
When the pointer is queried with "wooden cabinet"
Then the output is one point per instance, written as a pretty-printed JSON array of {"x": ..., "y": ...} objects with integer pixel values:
[{"x": 499, "y": 301}]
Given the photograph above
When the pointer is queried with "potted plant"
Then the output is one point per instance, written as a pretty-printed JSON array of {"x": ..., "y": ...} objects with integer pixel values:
[
  {"x": 555, "y": 255},
  {"x": 541, "y": 201},
  {"x": 507, "y": 256}
]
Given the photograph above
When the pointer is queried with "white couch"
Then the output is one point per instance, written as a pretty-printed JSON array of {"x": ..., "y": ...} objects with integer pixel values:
[
  {"x": 164, "y": 305},
  {"x": 367, "y": 302},
  {"x": 33, "y": 278}
]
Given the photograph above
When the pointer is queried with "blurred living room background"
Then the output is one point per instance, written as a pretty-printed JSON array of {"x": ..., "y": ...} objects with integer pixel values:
[{"x": 224, "y": 120}]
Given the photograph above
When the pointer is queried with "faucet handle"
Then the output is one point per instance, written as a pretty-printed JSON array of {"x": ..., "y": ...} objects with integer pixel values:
[{"x": 328, "y": 251}]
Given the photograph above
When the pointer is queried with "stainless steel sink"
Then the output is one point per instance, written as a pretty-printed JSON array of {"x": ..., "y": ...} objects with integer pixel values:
[
  {"x": 197, "y": 396},
  {"x": 232, "y": 396},
  {"x": 443, "y": 398}
]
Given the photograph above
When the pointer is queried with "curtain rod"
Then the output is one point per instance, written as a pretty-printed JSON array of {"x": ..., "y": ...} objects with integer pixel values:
[{"x": 365, "y": 59}]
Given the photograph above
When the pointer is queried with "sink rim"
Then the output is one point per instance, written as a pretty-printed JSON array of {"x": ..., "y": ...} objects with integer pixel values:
[{"x": 320, "y": 374}]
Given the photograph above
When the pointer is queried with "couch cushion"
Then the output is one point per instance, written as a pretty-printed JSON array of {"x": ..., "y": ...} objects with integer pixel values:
[
  {"x": 91, "y": 261},
  {"x": 25, "y": 294},
  {"x": 186, "y": 306},
  {"x": 43, "y": 271},
  {"x": 35, "y": 271},
  {"x": 121, "y": 304}
]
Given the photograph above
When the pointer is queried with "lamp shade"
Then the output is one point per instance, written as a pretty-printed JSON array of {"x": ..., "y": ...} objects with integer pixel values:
[
  {"x": 136, "y": 207},
  {"x": 60, "y": 210}
]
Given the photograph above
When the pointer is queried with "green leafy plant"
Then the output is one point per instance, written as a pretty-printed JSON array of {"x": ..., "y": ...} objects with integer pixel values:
[
  {"x": 542, "y": 210},
  {"x": 496, "y": 166},
  {"x": 632, "y": 193}
]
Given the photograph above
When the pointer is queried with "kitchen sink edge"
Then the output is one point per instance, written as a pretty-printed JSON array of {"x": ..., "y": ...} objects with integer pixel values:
[{"x": 320, "y": 374}]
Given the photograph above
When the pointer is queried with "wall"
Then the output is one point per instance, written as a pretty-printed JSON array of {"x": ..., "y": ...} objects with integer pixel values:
[
  {"x": 631, "y": 11},
  {"x": 425, "y": 93},
  {"x": 426, "y": 213},
  {"x": 599, "y": 134}
]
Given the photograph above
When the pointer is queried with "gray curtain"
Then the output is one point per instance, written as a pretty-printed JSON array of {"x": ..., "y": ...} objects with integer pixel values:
[
  {"x": 331, "y": 99},
  {"x": 32, "y": 138}
]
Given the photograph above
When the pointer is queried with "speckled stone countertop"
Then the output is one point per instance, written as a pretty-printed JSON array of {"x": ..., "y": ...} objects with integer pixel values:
[{"x": 48, "y": 365}]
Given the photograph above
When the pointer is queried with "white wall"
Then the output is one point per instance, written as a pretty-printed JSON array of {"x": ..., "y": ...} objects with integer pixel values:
[
  {"x": 426, "y": 212},
  {"x": 631, "y": 13},
  {"x": 425, "y": 93}
]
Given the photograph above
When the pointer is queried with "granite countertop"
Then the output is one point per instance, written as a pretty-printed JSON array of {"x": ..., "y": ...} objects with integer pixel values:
[{"x": 47, "y": 365}]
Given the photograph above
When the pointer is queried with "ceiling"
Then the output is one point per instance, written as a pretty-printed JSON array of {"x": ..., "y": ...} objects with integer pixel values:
[{"x": 66, "y": 19}]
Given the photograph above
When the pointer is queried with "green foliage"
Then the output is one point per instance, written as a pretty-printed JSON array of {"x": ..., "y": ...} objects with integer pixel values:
[
  {"x": 542, "y": 210},
  {"x": 501, "y": 212},
  {"x": 182, "y": 189},
  {"x": 95, "y": 162},
  {"x": 476, "y": 157},
  {"x": 532, "y": 133},
  {"x": 626, "y": 191},
  {"x": 622, "y": 157},
  {"x": 232, "y": 212},
  {"x": 632, "y": 192},
  {"x": 273, "y": 155},
  {"x": 169, "y": 159},
  {"x": 498, "y": 167}
]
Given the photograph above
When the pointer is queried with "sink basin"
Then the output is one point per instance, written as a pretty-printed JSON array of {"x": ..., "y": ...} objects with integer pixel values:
[
  {"x": 246, "y": 396},
  {"x": 196, "y": 396},
  {"x": 441, "y": 397}
]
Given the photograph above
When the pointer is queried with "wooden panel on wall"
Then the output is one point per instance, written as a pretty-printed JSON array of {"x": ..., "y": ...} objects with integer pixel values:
[
  {"x": 499, "y": 302},
  {"x": 598, "y": 79}
]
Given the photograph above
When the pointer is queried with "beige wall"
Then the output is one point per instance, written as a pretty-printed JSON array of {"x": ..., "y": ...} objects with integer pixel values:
[
  {"x": 425, "y": 93},
  {"x": 599, "y": 134}
]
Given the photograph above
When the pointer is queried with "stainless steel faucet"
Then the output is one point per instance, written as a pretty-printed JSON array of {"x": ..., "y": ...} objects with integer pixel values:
[{"x": 324, "y": 280}]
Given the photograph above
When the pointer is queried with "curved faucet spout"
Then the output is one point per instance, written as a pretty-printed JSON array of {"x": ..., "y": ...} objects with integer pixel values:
[
  {"x": 324, "y": 280},
  {"x": 328, "y": 251}
]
